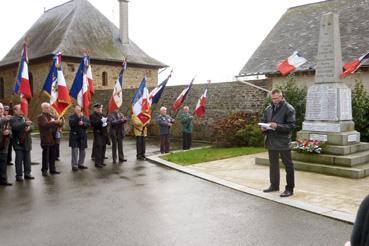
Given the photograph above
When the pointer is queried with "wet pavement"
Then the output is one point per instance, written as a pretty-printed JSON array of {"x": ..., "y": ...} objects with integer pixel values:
[{"x": 140, "y": 203}]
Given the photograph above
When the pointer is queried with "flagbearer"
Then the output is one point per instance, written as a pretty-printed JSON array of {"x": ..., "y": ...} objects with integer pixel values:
[
  {"x": 116, "y": 133},
  {"x": 9, "y": 113},
  {"x": 22, "y": 143},
  {"x": 140, "y": 131},
  {"x": 187, "y": 121},
  {"x": 78, "y": 138},
  {"x": 165, "y": 122},
  {"x": 4, "y": 142},
  {"x": 99, "y": 124},
  {"x": 48, "y": 125}
]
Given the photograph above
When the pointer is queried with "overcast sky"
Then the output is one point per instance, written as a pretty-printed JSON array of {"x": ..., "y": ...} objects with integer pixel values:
[{"x": 211, "y": 39}]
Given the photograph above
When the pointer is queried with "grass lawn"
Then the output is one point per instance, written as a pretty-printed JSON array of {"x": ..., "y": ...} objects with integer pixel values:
[{"x": 209, "y": 154}]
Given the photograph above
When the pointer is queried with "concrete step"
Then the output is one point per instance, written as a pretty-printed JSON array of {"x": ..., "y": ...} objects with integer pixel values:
[
  {"x": 357, "y": 172},
  {"x": 337, "y": 160},
  {"x": 346, "y": 150}
]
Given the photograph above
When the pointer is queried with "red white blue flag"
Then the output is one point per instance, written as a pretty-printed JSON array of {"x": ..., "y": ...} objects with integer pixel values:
[
  {"x": 182, "y": 97},
  {"x": 291, "y": 63},
  {"x": 116, "y": 99},
  {"x": 155, "y": 94},
  {"x": 22, "y": 85},
  {"x": 141, "y": 104},
  {"x": 82, "y": 88},
  {"x": 201, "y": 103},
  {"x": 351, "y": 67},
  {"x": 56, "y": 87}
]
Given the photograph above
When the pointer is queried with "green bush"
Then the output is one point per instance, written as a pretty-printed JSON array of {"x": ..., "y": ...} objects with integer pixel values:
[
  {"x": 239, "y": 129},
  {"x": 360, "y": 106}
]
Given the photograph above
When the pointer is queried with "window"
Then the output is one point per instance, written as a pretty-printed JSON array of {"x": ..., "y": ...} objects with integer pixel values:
[
  {"x": 2, "y": 88},
  {"x": 30, "y": 76},
  {"x": 104, "y": 78}
]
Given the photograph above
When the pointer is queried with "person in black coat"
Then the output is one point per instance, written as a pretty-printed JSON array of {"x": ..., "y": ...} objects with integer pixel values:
[
  {"x": 99, "y": 124},
  {"x": 360, "y": 231},
  {"x": 78, "y": 138},
  {"x": 4, "y": 142},
  {"x": 116, "y": 133}
]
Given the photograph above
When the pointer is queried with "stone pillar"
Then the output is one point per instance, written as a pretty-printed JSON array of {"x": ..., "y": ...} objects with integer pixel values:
[
  {"x": 123, "y": 21},
  {"x": 328, "y": 108}
]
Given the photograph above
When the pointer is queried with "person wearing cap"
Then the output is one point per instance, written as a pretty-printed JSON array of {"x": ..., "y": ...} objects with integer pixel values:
[
  {"x": 4, "y": 141},
  {"x": 9, "y": 156},
  {"x": 99, "y": 124},
  {"x": 116, "y": 133}
]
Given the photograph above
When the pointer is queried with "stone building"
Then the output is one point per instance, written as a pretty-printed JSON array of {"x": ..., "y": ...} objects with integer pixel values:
[
  {"x": 298, "y": 29},
  {"x": 73, "y": 28}
]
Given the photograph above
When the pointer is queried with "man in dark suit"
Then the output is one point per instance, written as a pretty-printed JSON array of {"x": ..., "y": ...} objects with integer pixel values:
[
  {"x": 78, "y": 138},
  {"x": 280, "y": 120},
  {"x": 99, "y": 124},
  {"x": 48, "y": 125},
  {"x": 4, "y": 142},
  {"x": 116, "y": 133},
  {"x": 22, "y": 143},
  {"x": 9, "y": 113}
]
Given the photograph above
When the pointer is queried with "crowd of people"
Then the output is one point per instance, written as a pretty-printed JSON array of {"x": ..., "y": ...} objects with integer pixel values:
[{"x": 107, "y": 129}]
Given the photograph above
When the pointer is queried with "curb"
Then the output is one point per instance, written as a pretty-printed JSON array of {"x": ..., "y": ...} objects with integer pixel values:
[{"x": 326, "y": 212}]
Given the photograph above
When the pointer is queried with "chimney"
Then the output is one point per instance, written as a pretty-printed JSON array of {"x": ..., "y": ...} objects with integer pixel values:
[{"x": 123, "y": 21}]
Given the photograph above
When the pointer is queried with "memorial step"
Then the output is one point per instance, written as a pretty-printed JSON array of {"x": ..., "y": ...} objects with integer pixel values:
[
  {"x": 357, "y": 172},
  {"x": 335, "y": 160},
  {"x": 346, "y": 150}
]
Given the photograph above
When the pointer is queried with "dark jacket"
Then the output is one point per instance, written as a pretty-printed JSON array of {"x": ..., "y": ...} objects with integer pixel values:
[
  {"x": 4, "y": 139},
  {"x": 284, "y": 116},
  {"x": 48, "y": 128},
  {"x": 163, "y": 122},
  {"x": 116, "y": 121},
  {"x": 96, "y": 123},
  {"x": 77, "y": 134},
  {"x": 21, "y": 140},
  {"x": 360, "y": 232}
]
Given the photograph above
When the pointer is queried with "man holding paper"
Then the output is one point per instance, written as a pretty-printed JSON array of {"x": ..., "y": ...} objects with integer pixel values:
[{"x": 277, "y": 123}]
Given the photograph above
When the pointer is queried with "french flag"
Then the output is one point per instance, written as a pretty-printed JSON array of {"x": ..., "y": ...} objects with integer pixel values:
[
  {"x": 351, "y": 68},
  {"x": 182, "y": 97},
  {"x": 141, "y": 104},
  {"x": 22, "y": 85},
  {"x": 155, "y": 94},
  {"x": 291, "y": 63},
  {"x": 200, "y": 106},
  {"x": 116, "y": 99},
  {"x": 83, "y": 85},
  {"x": 56, "y": 87}
]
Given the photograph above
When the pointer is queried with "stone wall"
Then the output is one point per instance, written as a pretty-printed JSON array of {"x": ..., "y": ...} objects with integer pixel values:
[{"x": 222, "y": 99}]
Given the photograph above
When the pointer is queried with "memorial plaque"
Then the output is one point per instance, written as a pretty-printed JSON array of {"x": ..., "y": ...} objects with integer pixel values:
[
  {"x": 321, "y": 127},
  {"x": 321, "y": 138},
  {"x": 322, "y": 103},
  {"x": 352, "y": 138},
  {"x": 345, "y": 108}
]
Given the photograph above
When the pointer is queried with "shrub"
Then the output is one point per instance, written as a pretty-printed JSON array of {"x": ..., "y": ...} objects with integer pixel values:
[
  {"x": 239, "y": 129},
  {"x": 360, "y": 105}
]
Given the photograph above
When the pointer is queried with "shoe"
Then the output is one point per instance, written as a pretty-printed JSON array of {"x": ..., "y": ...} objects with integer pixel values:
[
  {"x": 28, "y": 177},
  {"x": 103, "y": 164},
  {"x": 106, "y": 157},
  {"x": 44, "y": 173},
  {"x": 10, "y": 163},
  {"x": 55, "y": 173},
  {"x": 271, "y": 189},
  {"x": 114, "y": 162},
  {"x": 141, "y": 158},
  {"x": 57, "y": 159},
  {"x": 19, "y": 179},
  {"x": 123, "y": 160},
  {"x": 99, "y": 166},
  {"x": 5, "y": 183},
  {"x": 82, "y": 167},
  {"x": 287, "y": 193},
  {"x": 74, "y": 169}
]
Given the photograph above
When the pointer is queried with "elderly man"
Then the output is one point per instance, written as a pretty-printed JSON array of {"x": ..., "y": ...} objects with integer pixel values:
[
  {"x": 280, "y": 120},
  {"x": 186, "y": 120},
  {"x": 140, "y": 131},
  {"x": 9, "y": 157},
  {"x": 48, "y": 125},
  {"x": 4, "y": 142},
  {"x": 78, "y": 138},
  {"x": 22, "y": 143},
  {"x": 99, "y": 123},
  {"x": 165, "y": 122},
  {"x": 116, "y": 133}
]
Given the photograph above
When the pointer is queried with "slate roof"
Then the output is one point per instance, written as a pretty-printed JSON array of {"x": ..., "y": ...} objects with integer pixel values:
[
  {"x": 74, "y": 27},
  {"x": 298, "y": 29}
]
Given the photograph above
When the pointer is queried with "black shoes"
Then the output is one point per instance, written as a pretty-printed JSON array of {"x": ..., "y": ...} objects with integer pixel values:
[
  {"x": 28, "y": 177},
  {"x": 82, "y": 167},
  {"x": 123, "y": 160},
  {"x": 271, "y": 189},
  {"x": 10, "y": 163},
  {"x": 55, "y": 173},
  {"x": 287, "y": 193},
  {"x": 44, "y": 173},
  {"x": 74, "y": 169},
  {"x": 98, "y": 166},
  {"x": 19, "y": 179},
  {"x": 5, "y": 183}
]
